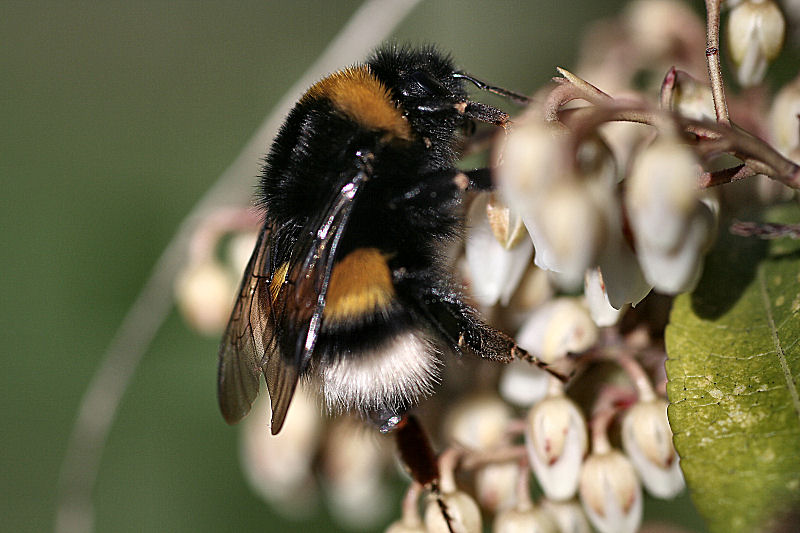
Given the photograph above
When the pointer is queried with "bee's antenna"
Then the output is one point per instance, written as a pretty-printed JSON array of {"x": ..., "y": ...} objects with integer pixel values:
[{"x": 511, "y": 95}]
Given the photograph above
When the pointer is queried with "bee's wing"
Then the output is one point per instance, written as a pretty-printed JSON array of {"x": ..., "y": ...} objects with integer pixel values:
[
  {"x": 301, "y": 299},
  {"x": 274, "y": 326},
  {"x": 243, "y": 347}
]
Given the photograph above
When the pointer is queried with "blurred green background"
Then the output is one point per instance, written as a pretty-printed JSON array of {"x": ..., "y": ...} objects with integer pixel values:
[{"x": 117, "y": 117}]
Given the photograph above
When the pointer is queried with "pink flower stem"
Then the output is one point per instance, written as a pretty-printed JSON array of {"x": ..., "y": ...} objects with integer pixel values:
[
  {"x": 639, "y": 377},
  {"x": 410, "y": 507}
]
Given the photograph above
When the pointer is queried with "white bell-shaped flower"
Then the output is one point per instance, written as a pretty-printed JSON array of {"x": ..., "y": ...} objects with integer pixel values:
[
  {"x": 672, "y": 227},
  {"x": 556, "y": 441},
  {"x": 623, "y": 279},
  {"x": 647, "y": 439},
  {"x": 278, "y": 467},
  {"x": 465, "y": 515},
  {"x": 661, "y": 193},
  {"x": 526, "y": 520},
  {"x": 498, "y": 251},
  {"x": 568, "y": 515},
  {"x": 783, "y": 118},
  {"x": 479, "y": 422},
  {"x": 353, "y": 464},
  {"x": 558, "y": 327},
  {"x": 204, "y": 293},
  {"x": 594, "y": 289},
  {"x": 495, "y": 485},
  {"x": 756, "y": 29},
  {"x": 679, "y": 270},
  {"x": 610, "y": 492},
  {"x": 523, "y": 384}
]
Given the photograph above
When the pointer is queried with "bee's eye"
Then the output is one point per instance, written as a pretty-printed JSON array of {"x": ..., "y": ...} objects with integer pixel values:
[{"x": 423, "y": 84}]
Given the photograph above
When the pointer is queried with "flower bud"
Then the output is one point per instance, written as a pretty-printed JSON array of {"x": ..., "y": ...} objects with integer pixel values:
[
  {"x": 556, "y": 441},
  {"x": 495, "y": 486},
  {"x": 672, "y": 228},
  {"x": 756, "y": 30},
  {"x": 239, "y": 249},
  {"x": 529, "y": 520},
  {"x": 353, "y": 464},
  {"x": 692, "y": 99},
  {"x": 532, "y": 161},
  {"x": 594, "y": 289},
  {"x": 661, "y": 193},
  {"x": 557, "y": 328},
  {"x": 568, "y": 515},
  {"x": 496, "y": 267},
  {"x": 400, "y": 526},
  {"x": 479, "y": 422},
  {"x": 465, "y": 516},
  {"x": 679, "y": 270},
  {"x": 204, "y": 293},
  {"x": 568, "y": 231},
  {"x": 610, "y": 493},
  {"x": 278, "y": 467},
  {"x": 647, "y": 439},
  {"x": 523, "y": 384},
  {"x": 783, "y": 118}
]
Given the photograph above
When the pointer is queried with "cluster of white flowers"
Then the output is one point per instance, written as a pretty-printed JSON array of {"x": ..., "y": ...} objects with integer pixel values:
[{"x": 592, "y": 214}]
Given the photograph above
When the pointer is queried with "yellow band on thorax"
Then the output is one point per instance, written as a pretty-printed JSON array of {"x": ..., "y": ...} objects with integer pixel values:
[{"x": 357, "y": 93}]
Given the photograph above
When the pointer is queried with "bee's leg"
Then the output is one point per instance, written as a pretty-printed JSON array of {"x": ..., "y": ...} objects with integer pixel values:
[
  {"x": 461, "y": 325},
  {"x": 416, "y": 452},
  {"x": 436, "y": 187},
  {"x": 432, "y": 191},
  {"x": 419, "y": 458},
  {"x": 488, "y": 342}
]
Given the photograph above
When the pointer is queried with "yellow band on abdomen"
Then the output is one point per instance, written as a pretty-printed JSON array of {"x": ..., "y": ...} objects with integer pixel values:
[{"x": 361, "y": 283}]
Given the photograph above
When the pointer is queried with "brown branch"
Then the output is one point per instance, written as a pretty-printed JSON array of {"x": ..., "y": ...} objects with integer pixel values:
[
  {"x": 727, "y": 175},
  {"x": 569, "y": 88},
  {"x": 765, "y": 231},
  {"x": 474, "y": 459},
  {"x": 712, "y": 138},
  {"x": 713, "y": 62}
]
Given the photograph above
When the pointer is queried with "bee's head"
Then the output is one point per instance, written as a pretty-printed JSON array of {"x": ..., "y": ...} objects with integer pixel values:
[
  {"x": 423, "y": 85},
  {"x": 431, "y": 92}
]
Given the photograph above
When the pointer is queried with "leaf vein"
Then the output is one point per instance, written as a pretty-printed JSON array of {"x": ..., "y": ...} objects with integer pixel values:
[{"x": 787, "y": 375}]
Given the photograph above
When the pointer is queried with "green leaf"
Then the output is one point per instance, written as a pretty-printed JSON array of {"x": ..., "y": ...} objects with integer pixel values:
[{"x": 734, "y": 382}]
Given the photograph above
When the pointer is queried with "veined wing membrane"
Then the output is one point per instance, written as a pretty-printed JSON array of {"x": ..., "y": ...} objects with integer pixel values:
[
  {"x": 275, "y": 323},
  {"x": 243, "y": 348}
]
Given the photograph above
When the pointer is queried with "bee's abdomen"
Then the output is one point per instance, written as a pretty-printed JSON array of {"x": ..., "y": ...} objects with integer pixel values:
[
  {"x": 389, "y": 377},
  {"x": 372, "y": 353}
]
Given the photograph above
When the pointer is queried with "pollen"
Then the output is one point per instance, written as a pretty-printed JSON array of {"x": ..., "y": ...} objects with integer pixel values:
[{"x": 277, "y": 280}]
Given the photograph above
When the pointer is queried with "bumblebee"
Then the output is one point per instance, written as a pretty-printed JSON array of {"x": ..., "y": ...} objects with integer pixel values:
[{"x": 348, "y": 285}]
